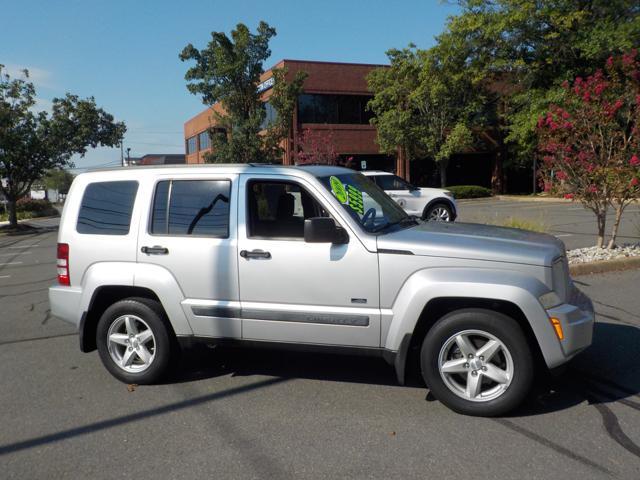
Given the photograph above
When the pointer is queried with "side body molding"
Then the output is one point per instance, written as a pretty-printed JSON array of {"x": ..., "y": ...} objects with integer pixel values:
[
  {"x": 428, "y": 284},
  {"x": 152, "y": 277}
]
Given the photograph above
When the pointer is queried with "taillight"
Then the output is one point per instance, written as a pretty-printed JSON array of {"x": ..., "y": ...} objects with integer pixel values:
[{"x": 63, "y": 264}]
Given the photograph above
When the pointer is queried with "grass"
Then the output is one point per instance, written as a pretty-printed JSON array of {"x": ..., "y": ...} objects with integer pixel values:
[{"x": 525, "y": 224}]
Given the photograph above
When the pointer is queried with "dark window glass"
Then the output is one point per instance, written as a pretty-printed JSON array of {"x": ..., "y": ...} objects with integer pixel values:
[
  {"x": 340, "y": 109},
  {"x": 196, "y": 207},
  {"x": 204, "y": 139},
  {"x": 191, "y": 145},
  {"x": 270, "y": 116},
  {"x": 106, "y": 208},
  {"x": 391, "y": 182},
  {"x": 160, "y": 202},
  {"x": 278, "y": 209}
]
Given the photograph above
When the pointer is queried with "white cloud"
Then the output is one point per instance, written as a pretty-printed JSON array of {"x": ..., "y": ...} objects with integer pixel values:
[{"x": 38, "y": 76}]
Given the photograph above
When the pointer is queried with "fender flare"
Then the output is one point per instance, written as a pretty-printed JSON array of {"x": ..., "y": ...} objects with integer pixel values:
[
  {"x": 129, "y": 274},
  {"x": 476, "y": 283}
]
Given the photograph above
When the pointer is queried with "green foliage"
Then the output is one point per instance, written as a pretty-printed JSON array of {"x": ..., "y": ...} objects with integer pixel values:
[
  {"x": 424, "y": 103},
  {"x": 227, "y": 72},
  {"x": 525, "y": 224},
  {"x": 32, "y": 143},
  {"x": 522, "y": 50},
  {"x": 58, "y": 179},
  {"x": 469, "y": 191}
]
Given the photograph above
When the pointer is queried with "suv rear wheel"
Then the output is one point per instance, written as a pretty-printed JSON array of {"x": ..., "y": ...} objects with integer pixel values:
[
  {"x": 133, "y": 341},
  {"x": 477, "y": 362}
]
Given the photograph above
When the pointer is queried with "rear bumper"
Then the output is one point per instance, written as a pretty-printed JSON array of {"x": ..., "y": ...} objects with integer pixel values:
[
  {"x": 577, "y": 319},
  {"x": 65, "y": 303}
]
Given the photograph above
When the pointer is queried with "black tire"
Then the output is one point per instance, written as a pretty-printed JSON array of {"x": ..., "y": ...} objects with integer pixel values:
[
  {"x": 503, "y": 328},
  {"x": 152, "y": 314},
  {"x": 432, "y": 209}
]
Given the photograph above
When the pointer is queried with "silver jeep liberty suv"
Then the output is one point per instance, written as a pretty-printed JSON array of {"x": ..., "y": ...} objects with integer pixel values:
[{"x": 318, "y": 257}]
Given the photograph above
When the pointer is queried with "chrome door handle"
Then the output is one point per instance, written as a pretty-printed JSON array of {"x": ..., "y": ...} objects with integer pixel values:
[
  {"x": 254, "y": 254},
  {"x": 155, "y": 250}
]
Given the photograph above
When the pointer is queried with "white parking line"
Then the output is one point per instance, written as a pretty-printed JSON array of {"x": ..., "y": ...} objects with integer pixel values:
[
  {"x": 565, "y": 235},
  {"x": 5, "y": 276},
  {"x": 10, "y": 263},
  {"x": 15, "y": 253},
  {"x": 25, "y": 246}
]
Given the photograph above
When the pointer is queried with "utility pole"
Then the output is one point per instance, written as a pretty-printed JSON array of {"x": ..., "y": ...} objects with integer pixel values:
[
  {"x": 121, "y": 154},
  {"x": 128, "y": 157}
]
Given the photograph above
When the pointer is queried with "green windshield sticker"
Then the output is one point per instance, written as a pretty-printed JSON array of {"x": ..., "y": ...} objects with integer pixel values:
[
  {"x": 338, "y": 189},
  {"x": 355, "y": 199}
]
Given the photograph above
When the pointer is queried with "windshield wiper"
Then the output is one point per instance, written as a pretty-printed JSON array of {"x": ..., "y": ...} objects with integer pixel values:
[{"x": 410, "y": 219}]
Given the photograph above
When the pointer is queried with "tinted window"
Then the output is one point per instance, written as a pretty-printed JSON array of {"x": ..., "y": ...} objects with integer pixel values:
[
  {"x": 204, "y": 139},
  {"x": 278, "y": 209},
  {"x": 391, "y": 182},
  {"x": 191, "y": 145},
  {"x": 106, "y": 208},
  {"x": 195, "y": 207},
  {"x": 340, "y": 109}
]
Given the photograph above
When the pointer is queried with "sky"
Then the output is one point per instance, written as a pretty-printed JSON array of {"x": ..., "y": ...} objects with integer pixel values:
[{"x": 125, "y": 53}]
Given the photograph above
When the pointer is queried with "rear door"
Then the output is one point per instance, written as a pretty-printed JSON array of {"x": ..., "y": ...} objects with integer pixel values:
[{"x": 190, "y": 231}]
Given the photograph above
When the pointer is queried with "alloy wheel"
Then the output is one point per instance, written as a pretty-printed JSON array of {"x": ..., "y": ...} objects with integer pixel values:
[{"x": 131, "y": 343}]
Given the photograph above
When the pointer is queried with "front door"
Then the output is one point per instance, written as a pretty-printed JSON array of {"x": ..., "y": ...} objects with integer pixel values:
[{"x": 292, "y": 291}]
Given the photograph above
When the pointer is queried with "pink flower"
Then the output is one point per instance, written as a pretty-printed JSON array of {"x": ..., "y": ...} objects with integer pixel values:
[
  {"x": 634, "y": 161},
  {"x": 592, "y": 189},
  {"x": 610, "y": 62},
  {"x": 560, "y": 175},
  {"x": 568, "y": 125},
  {"x": 569, "y": 196},
  {"x": 634, "y": 182}
]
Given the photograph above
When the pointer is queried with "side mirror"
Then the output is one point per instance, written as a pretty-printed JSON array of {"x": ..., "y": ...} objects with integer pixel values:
[{"x": 324, "y": 230}]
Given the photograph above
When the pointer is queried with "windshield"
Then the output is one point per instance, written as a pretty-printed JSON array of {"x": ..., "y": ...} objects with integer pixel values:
[{"x": 367, "y": 203}]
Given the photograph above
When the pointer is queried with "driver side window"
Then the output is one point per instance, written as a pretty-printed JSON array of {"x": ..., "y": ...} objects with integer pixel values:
[{"x": 278, "y": 209}]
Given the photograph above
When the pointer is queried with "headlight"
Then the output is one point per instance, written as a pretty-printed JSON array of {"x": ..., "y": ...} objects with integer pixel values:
[{"x": 550, "y": 300}]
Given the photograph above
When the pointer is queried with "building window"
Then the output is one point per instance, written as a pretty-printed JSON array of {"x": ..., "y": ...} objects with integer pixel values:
[
  {"x": 106, "y": 208},
  {"x": 271, "y": 114},
  {"x": 191, "y": 145},
  {"x": 191, "y": 207},
  {"x": 204, "y": 139},
  {"x": 336, "y": 109}
]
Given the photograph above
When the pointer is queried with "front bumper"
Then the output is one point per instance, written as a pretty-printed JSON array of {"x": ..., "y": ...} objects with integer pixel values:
[{"x": 577, "y": 318}]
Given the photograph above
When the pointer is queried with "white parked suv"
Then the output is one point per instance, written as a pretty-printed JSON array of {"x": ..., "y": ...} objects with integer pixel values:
[
  {"x": 432, "y": 204},
  {"x": 154, "y": 258}
]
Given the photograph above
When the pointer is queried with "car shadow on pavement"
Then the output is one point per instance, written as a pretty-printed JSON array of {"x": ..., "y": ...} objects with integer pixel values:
[
  {"x": 202, "y": 363},
  {"x": 606, "y": 372}
]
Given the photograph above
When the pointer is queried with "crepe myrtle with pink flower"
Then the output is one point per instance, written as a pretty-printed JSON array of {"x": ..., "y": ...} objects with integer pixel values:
[{"x": 590, "y": 142}]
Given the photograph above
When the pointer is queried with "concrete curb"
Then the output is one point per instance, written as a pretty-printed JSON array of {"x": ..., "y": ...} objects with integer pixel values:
[
  {"x": 525, "y": 198},
  {"x": 604, "y": 266}
]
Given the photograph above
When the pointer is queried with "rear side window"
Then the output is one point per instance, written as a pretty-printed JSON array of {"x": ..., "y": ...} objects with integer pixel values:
[
  {"x": 106, "y": 208},
  {"x": 191, "y": 207}
]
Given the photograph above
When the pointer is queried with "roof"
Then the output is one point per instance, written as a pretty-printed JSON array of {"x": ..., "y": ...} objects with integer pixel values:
[{"x": 232, "y": 168}]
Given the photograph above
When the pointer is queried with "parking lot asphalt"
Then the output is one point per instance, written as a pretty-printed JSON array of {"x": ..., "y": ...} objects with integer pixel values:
[
  {"x": 264, "y": 414},
  {"x": 570, "y": 222}
]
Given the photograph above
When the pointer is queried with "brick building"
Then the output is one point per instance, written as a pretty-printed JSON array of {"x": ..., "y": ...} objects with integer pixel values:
[{"x": 333, "y": 102}]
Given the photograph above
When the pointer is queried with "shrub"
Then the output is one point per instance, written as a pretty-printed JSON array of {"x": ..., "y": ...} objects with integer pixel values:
[
  {"x": 469, "y": 191},
  {"x": 30, "y": 205}
]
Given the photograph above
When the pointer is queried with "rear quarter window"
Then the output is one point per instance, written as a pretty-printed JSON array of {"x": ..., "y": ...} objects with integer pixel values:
[{"x": 106, "y": 208}]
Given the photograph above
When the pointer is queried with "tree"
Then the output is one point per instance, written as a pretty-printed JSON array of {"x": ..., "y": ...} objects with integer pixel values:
[
  {"x": 316, "y": 147},
  {"x": 423, "y": 103},
  {"x": 591, "y": 141},
  {"x": 228, "y": 72},
  {"x": 58, "y": 179},
  {"x": 32, "y": 143},
  {"x": 522, "y": 50}
]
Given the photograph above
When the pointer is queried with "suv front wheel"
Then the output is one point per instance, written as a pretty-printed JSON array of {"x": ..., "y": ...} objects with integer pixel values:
[
  {"x": 133, "y": 341},
  {"x": 477, "y": 362}
]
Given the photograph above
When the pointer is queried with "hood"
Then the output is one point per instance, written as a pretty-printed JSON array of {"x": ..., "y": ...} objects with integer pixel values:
[{"x": 475, "y": 242}]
